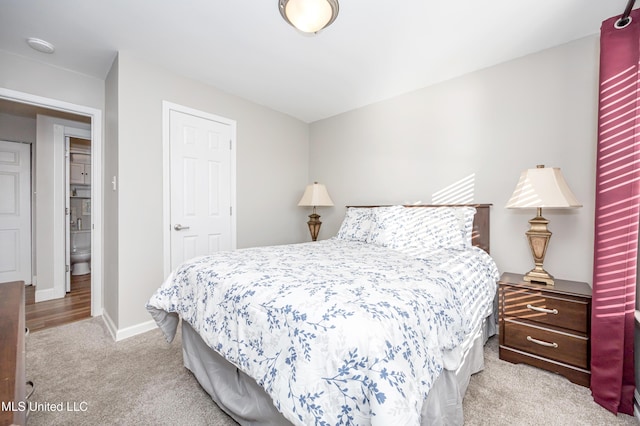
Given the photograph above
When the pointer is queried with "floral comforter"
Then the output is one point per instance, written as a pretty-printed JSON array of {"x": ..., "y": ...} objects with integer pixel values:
[{"x": 336, "y": 332}]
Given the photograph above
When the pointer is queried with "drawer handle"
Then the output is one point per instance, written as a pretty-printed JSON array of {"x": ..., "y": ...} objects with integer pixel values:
[
  {"x": 546, "y": 311},
  {"x": 542, "y": 343}
]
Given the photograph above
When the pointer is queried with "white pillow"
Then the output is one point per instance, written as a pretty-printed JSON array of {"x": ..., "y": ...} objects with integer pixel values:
[
  {"x": 356, "y": 225},
  {"x": 466, "y": 215},
  {"x": 435, "y": 228},
  {"x": 387, "y": 224},
  {"x": 418, "y": 230}
]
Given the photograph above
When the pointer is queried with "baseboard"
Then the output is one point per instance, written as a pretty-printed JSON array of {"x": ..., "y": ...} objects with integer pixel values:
[
  {"x": 109, "y": 323},
  {"x": 136, "y": 329},
  {"x": 125, "y": 333},
  {"x": 47, "y": 294}
]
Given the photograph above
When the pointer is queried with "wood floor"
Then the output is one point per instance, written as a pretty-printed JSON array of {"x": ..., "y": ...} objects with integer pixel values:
[{"x": 76, "y": 305}]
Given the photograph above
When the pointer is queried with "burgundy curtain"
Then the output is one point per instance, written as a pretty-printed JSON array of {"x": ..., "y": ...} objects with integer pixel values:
[{"x": 616, "y": 217}]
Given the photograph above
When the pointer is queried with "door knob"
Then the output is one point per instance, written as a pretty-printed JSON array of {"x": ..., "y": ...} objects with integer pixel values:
[{"x": 179, "y": 227}]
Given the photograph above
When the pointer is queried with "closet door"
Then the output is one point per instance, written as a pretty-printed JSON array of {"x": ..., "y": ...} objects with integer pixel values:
[
  {"x": 15, "y": 212},
  {"x": 201, "y": 186}
]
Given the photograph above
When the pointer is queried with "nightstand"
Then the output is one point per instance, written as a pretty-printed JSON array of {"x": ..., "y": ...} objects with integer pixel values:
[{"x": 548, "y": 327}]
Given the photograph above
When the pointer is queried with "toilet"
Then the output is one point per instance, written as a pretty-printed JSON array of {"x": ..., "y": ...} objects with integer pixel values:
[{"x": 80, "y": 252}]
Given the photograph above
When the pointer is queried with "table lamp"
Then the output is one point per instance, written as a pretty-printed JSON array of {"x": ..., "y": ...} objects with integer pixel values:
[
  {"x": 538, "y": 188},
  {"x": 315, "y": 195}
]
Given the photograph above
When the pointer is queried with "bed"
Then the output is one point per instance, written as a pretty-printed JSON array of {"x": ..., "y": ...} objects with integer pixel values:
[{"x": 382, "y": 324}]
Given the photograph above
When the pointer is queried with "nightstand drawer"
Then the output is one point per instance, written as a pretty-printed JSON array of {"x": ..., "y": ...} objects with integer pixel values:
[
  {"x": 560, "y": 311},
  {"x": 564, "y": 347}
]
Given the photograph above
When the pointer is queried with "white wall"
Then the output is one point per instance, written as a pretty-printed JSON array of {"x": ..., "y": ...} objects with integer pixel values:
[
  {"x": 494, "y": 123},
  {"x": 272, "y": 170},
  {"x": 33, "y": 77},
  {"x": 110, "y": 222},
  {"x": 17, "y": 129},
  {"x": 49, "y": 218},
  {"x": 47, "y": 187}
]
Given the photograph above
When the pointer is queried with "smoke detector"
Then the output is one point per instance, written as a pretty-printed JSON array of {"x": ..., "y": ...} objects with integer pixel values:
[{"x": 40, "y": 45}]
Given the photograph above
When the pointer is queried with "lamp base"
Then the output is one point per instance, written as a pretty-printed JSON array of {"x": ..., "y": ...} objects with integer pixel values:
[
  {"x": 539, "y": 276},
  {"x": 538, "y": 236},
  {"x": 314, "y": 225}
]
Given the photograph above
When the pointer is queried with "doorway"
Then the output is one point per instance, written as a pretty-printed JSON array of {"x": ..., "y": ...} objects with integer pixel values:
[
  {"x": 78, "y": 210},
  {"x": 22, "y": 101}
]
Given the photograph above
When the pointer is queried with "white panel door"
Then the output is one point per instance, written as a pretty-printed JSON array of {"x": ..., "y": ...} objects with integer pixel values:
[
  {"x": 15, "y": 212},
  {"x": 200, "y": 174}
]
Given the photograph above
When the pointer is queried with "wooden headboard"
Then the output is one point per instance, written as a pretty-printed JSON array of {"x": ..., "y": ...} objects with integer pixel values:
[{"x": 481, "y": 235}]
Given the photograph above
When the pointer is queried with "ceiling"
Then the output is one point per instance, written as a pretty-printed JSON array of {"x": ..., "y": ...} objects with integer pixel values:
[{"x": 374, "y": 50}]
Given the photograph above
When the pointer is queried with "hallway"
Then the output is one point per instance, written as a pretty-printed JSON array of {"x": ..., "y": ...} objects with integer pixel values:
[{"x": 76, "y": 305}]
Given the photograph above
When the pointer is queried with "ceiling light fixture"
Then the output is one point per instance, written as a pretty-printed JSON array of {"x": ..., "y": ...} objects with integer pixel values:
[
  {"x": 309, "y": 16},
  {"x": 40, "y": 45}
]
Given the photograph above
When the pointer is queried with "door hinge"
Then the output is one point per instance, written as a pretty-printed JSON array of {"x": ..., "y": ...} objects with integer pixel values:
[
  {"x": 230, "y": 211},
  {"x": 66, "y": 269},
  {"x": 230, "y": 144},
  {"x": 66, "y": 211}
]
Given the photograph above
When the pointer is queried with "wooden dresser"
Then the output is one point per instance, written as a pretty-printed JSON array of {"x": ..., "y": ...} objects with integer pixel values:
[
  {"x": 546, "y": 326},
  {"x": 12, "y": 353}
]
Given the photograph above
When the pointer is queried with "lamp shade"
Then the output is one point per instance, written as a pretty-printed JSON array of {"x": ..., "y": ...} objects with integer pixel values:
[
  {"x": 309, "y": 16},
  {"x": 315, "y": 195},
  {"x": 542, "y": 187}
]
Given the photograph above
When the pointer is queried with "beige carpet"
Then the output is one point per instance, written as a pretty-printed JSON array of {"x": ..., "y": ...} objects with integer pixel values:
[
  {"x": 518, "y": 394},
  {"x": 141, "y": 380}
]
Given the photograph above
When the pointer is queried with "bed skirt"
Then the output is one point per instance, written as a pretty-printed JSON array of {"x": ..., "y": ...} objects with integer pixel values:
[{"x": 248, "y": 404}]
